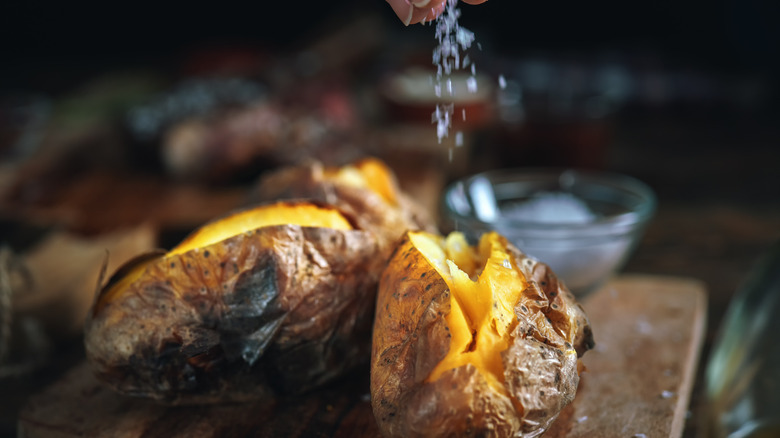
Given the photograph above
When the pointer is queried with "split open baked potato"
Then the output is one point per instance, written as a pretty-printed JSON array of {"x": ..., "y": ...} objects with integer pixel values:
[
  {"x": 472, "y": 341},
  {"x": 280, "y": 295},
  {"x": 367, "y": 189}
]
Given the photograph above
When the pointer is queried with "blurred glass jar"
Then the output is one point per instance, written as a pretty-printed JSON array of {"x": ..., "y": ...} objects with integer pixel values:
[
  {"x": 584, "y": 224},
  {"x": 743, "y": 374},
  {"x": 558, "y": 112}
]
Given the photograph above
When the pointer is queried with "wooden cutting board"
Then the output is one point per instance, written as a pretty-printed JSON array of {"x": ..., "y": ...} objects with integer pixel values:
[{"x": 648, "y": 329}]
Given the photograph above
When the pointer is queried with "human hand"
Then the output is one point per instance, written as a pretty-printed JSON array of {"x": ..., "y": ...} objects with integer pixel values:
[{"x": 415, "y": 11}]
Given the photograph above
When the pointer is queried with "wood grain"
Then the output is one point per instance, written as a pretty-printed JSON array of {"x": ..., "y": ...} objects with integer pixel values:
[
  {"x": 649, "y": 331},
  {"x": 638, "y": 382}
]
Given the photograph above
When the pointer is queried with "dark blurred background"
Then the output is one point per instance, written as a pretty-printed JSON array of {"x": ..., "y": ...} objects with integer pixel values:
[
  {"x": 55, "y": 43},
  {"x": 691, "y": 89}
]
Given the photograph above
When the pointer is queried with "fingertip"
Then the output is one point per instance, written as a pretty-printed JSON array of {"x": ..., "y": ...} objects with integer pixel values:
[
  {"x": 424, "y": 15},
  {"x": 436, "y": 8},
  {"x": 409, "y": 17},
  {"x": 434, "y": 13},
  {"x": 403, "y": 10},
  {"x": 416, "y": 11}
]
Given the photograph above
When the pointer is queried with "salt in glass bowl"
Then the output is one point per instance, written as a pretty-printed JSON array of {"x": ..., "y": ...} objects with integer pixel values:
[{"x": 584, "y": 224}]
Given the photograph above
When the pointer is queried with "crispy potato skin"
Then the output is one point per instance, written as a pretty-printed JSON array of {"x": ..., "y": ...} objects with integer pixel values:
[
  {"x": 283, "y": 306},
  {"x": 411, "y": 336},
  {"x": 366, "y": 208}
]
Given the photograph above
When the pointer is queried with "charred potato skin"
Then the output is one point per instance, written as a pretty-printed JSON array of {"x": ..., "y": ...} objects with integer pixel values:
[
  {"x": 193, "y": 328},
  {"x": 370, "y": 212},
  {"x": 411, "y": 336}
]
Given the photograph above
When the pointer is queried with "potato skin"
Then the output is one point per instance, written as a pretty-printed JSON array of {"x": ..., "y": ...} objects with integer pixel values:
[
  {"x": 283, "y": 307},
  {"x": 411, "y": 336},
  {"x": 366, "y": 208}
]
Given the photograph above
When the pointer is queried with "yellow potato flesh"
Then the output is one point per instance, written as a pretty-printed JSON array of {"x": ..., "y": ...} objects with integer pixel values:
[
  {"x": 379, "y": 178},
  {"x": 369, "y": 174},
  {"x": 305, "y": 215},
  {"x": 484, "y": 287}
]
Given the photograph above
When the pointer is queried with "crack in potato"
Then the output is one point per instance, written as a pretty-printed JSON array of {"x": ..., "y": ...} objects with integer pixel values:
[
  {"x": 305, "y": 215},
  {"x": 484, "y": 286},
  {"x": 498, "y": 354},
  {"x": 473, "y": 344}
]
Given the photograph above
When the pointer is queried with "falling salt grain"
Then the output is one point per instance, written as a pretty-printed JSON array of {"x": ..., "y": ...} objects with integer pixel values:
[
  {"x": 441, "y": 129},
  {"x": 471, "y": 84},
  {"x": 582, "y": 419},
  {"x": 667, "y": 394},
  {"x": 447, "y": 56},
  {"x": 501, "y": 82},
  {"x": 638, "y": 435},
  {"x": 463, "y": 113},
  {"x": 458, "y": 139},
  {"x": 505, "y": 263},
  {"x": 465, "y": 37}
]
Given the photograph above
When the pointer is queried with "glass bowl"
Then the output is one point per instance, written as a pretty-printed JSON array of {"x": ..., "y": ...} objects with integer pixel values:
[{"x": 584, "y": 224}]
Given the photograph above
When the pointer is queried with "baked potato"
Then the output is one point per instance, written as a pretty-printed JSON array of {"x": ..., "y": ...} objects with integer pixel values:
[
  {"x": 275, "y": 298},
  {"x": 472, "y": 341},
  {"x": 367, "y": 189}
]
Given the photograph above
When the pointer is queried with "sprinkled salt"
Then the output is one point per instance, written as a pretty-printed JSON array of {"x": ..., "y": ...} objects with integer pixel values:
[
  {"x": 582, "y": 419},
  {"x": 447, "y": 57},
  {"x": 644, "y": 327},
  {"x": 442, "y": 116},
  {"x": 667, "y": 394},
  {"x": 638, "y": 435},
  {"x": 458, "y": 139},
  {"x": 501, "y": 82},
  {"x": 551, "y": 207},
  {"x": 471, "y": 84},
  {"x": 442, "y": 127},
  {"x": 505, "y": 263},
  {"x": 464, "y": 36}
]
